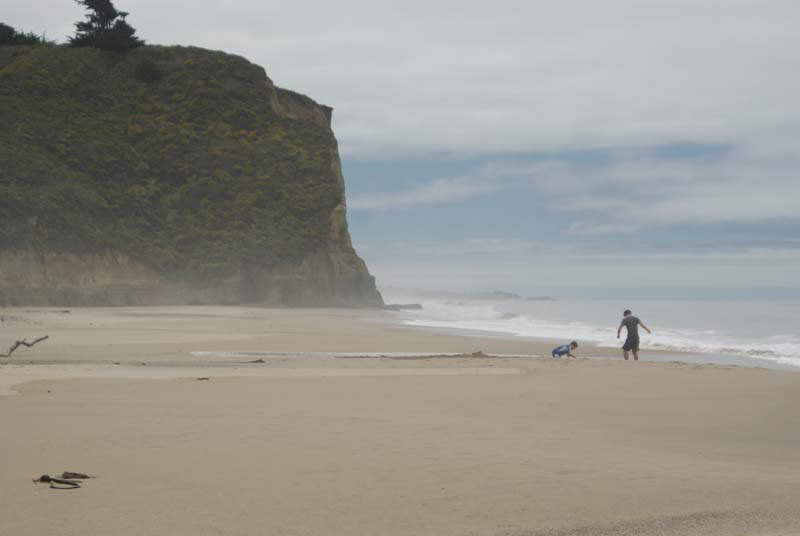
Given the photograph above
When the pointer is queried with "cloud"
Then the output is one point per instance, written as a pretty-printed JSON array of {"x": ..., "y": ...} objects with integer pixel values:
[
  {"x": 745, "y": 185},
  {"x": 435, "y": 192},
  {"x": 627, "y": 191},
  {"x": 476, "y": 247},
  {"x": 498, "y": 263},
  {"x": 536, "y": 251},
  {"x": 590, "y": 228}
]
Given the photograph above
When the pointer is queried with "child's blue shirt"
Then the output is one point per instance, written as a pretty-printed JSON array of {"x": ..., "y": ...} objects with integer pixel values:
[{"x": 564, "y": 349}]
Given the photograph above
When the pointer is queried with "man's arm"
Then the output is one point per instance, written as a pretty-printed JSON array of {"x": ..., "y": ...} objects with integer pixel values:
[
  {"x": 569, "y": 354},
  {"x": 645, "y": 327},
  {"x": 619, "y": 329}
]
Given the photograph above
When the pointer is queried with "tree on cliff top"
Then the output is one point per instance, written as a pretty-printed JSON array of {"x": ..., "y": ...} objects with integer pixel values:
[{"x": 104, "y": 28}]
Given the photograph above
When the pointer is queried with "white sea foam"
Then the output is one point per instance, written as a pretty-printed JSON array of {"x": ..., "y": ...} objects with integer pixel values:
[{"x": 496, "y": 318}]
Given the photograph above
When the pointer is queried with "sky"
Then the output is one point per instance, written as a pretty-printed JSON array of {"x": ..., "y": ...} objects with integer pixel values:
[{"x": 535, "y": 146}]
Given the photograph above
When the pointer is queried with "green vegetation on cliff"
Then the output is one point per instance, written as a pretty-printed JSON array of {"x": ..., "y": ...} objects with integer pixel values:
[
  {"x": 12, "y": 36},
  {"x": 179, "y": 157}
]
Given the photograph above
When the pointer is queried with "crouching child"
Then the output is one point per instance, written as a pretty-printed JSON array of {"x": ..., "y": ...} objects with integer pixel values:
[{"x": 565, "y": 349}]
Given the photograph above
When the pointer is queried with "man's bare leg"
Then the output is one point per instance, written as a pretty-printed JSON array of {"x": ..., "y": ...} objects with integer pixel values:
[
  {"x": 626, "y": 354},
  {"x": 636, "y": 355}
]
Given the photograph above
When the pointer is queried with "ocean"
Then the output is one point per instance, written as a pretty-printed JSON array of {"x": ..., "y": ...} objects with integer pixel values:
[{"x": 746, "y": 332}]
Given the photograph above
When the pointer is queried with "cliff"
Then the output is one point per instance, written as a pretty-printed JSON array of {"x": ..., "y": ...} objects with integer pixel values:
[{"x": 169, "y": 175}]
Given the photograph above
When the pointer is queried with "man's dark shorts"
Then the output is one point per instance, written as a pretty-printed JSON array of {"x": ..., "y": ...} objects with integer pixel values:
[{"x": 631, "y": 344}]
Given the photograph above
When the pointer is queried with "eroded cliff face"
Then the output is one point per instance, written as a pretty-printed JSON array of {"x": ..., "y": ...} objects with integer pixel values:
[
  {"x": 332, "y": 276},
  {"x": 35, "y": 272}
]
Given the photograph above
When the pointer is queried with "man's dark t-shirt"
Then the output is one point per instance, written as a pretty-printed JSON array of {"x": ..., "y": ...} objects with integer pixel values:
[{"x": 632, "y": 324}]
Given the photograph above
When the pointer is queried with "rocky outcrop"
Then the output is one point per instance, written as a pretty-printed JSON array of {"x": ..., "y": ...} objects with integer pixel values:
[{"x": 323, "y": 270}]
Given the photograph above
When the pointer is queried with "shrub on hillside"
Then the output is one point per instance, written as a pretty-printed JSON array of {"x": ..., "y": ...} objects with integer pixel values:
[
  {"x": 147, "y": 71},
  {"x": 10, "y": 36}
]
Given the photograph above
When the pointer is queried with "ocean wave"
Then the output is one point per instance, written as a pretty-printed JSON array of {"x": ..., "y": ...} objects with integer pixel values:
[{"x": 486, "y": 318}]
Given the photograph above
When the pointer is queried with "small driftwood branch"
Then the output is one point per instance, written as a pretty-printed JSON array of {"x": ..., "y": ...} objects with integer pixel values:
[{"x": 23, "y": 343}]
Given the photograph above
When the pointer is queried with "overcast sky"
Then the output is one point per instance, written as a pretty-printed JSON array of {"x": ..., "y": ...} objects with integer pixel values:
[{"x": 535, "y": 146}]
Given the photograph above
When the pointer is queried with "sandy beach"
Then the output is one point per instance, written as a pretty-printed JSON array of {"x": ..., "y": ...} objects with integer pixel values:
[{"x": 320, "y": 444}]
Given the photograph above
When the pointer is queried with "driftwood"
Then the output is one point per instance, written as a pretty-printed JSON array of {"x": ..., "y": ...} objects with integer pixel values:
[
  {"x": 67, "y": 480},
  {"x": 23, "y": 343},
  {"x": 70, "y": 475}
]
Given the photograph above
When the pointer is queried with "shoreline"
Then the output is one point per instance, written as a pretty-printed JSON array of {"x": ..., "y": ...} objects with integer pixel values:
[
  {"x": 659, "y": 354},
  {"x": 354, "y": 333},
  {"x": 374, "y": 334}
]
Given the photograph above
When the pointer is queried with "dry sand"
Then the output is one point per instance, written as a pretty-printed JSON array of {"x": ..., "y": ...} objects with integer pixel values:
[{"x": 326, "y": 445}]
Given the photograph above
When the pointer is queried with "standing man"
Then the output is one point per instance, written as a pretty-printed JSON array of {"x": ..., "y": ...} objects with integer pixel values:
[{"x": 632, "y": 341}]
